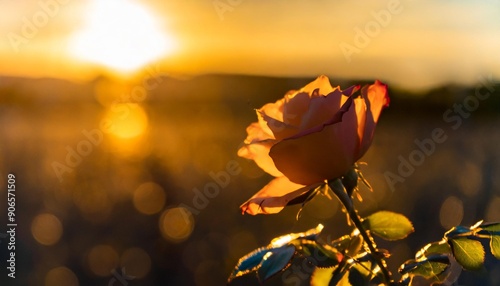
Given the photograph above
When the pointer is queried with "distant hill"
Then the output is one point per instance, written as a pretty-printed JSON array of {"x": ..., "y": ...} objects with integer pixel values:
[{"x": 251, "y": 90}]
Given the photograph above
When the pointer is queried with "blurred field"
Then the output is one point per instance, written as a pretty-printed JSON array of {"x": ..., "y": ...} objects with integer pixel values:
[{"x": 118, "y": 207}]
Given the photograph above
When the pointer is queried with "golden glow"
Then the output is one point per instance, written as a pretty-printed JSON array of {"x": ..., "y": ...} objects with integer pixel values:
[
  {"x": 136, "y": 261},
  {"x": 46, "y": 229},
  {"x": 176, "y": 224},
  {"x": 94, "y": 204},
  {"x": 149, "y": 198},
  {"x": 102, "y": 259},
  {"x": 120, "y": 34},
  {"x": 61, "y": 276},
  {"x": 452, "y": 212},
  {"x": 127, "y": 120}
]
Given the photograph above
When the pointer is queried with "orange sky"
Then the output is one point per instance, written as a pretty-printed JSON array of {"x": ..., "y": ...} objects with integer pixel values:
[{"x": 410, "y": 43}]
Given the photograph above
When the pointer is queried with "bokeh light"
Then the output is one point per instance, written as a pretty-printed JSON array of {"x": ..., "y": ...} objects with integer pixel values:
[
  {"x": 469, "y": 179},
  {"x": 452, "y": 212},
  {"x": 102, "y": 259},
  {"x": 61, "y": 276},
  {"x": 176, "y": 224},
  {"x": 493, "y": 210},
  {"x": 94, "y": 203},
  {"x": 46, "y": 229},
  {"x": 128, "y": 120},
  {"x": 149, "y": 198},
  {"x": 136, "y": 261}
]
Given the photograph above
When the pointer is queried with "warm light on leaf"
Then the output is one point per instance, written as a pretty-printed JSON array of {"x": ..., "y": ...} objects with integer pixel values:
[
  {"x": 495, "y": 246},
  {"x": 440, "y": 247},
  {"x": 428, "y": 269},
  {"x": 323, "y": 256},
  {"x": 269, "y": 260},
  {"x": 469, "y": 253},
  {"x": 389, "y": 225},
  {"x": 249, "y": 262},
  {"x": 459, "y": 231},
  {"x": 490, "y": 228},
  {"x": 310, "y": 234},
  {"x": 277, "y": 261},
  {"x": 350, "y": 244}
]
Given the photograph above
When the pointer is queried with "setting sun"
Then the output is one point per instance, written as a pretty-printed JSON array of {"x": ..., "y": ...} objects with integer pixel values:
[{"x": 120, "y": 34}]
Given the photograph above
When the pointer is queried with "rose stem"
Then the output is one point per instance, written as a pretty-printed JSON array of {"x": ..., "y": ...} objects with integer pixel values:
[{"x": 353, "y": 215}]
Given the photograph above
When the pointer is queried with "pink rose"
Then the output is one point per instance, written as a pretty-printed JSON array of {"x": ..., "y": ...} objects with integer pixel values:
[{"x": 309, "y": 136}]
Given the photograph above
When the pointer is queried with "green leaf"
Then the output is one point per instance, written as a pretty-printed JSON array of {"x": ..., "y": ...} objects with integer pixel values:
[
  {"x": 495, "y": 246},
  {"x": 430, "y": 270},
  {"x": 349, "y": 244},
  {"x": 458, "y": 231},
  {"x": 333, "y": 276},
  {"x": 469, "y": 253},
  {"x": 321, "y": 255},
  {"x": 389, "y": 225},
  {"x": 321, "y": 276},
  {"x": 363, "y": 270},
  {"x": 291, "y": 238},
  {"x": 431, "y": 267},
  {"x": 438, "y": 247},
  {"x": 339, "y": 277},
  {"x": 494, "y": 226},
  {"x": 490, "y": 228},
  {"x": 249, "y": 262},
  {"x": 274, "y": 261}
]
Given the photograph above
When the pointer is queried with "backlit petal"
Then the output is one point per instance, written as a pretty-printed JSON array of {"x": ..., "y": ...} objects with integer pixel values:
[
  {"x": 273, "y": 197},
  {"x": 259, "y": 152},
  {"x": 376, "y": 98},
  {"x": 322, "y": 82}
]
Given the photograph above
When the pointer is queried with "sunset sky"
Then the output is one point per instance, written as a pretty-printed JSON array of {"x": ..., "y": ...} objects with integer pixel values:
[{"x": 410, "y": 43}]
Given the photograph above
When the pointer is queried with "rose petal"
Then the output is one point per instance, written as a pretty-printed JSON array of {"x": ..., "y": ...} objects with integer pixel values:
[
  {"x": 360, "y": 118},
  {"x": 273, "y": 110},
  {"x": 279, "y": 129},
  {"x": 352, "y": 128},
  {"x": 257, "y": 134},
  {"x": 376, "y": 98},
  {"x": 273, "y": 197},
  {"x": 320, "y": 154},
  {"x": 295, "y": 107},
  {"x": 334, "y": 119},
  {"x": 259, "y": 152},
  {"x": 322, "y": 82},
  {"x": 321, "y": 109}
]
